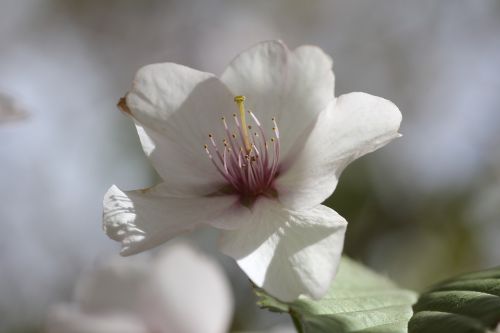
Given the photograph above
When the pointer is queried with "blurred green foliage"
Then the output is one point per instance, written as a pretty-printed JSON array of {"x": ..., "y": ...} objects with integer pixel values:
[{"x": 416, "y": 240}]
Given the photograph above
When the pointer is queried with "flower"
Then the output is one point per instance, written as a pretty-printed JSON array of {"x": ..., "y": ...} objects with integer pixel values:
[
  {"x": 161, "y": 295},
  {"x": 253, "y": 153}
]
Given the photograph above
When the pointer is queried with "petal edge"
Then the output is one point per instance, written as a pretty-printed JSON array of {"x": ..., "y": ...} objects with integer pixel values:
[
  {"x": 143, "y": 219},
  {"x": 354, "y": 125}
]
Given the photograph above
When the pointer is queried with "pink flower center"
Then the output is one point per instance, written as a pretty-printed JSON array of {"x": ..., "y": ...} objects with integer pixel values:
[{"x": 247, "y": 160}]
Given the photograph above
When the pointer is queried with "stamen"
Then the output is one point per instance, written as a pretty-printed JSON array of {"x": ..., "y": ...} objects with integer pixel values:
[
  {"x": 275, "y": 128},
  {"x": 246, "y": 157}
]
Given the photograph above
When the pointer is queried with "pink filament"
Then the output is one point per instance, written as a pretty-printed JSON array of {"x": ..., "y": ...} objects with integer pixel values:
[{"x": 250, "y": 173}]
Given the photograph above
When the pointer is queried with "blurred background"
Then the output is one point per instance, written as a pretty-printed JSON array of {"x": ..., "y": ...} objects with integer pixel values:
[{"x": 423, "y": 208}]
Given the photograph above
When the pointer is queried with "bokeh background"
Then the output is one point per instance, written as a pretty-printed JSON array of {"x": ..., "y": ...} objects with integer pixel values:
[{"x": 425, "y": 207}]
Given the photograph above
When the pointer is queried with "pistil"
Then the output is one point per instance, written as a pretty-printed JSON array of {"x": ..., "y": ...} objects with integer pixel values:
[{"x": 240, "y": 100}]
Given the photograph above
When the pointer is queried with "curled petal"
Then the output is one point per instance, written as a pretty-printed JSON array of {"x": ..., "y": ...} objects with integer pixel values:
[
  {"x": 354, "y": 125},
  {"x": 143, "y": 219},
  {"x": 288, "y": 253}
]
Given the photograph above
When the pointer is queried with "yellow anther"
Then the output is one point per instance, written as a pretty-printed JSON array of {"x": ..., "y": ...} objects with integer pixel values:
[
  {"x": 205, "y": 146},
  {"x": 210, "y": 135},
  {"x": 240, "y": 100}
]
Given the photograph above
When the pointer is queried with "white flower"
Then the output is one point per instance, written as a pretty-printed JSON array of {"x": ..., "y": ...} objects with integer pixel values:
[
  {"x": 180, "y": 291},
  {"x": 215, "y": 143}
]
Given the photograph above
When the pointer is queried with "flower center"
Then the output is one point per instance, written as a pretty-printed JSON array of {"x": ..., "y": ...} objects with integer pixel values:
[{"x": 247, "y": 160}]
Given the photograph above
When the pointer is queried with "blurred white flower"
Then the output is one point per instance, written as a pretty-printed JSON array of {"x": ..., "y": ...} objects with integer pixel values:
[
  {"x": 10, "y": 110},
  {"x": 232, "y": 168},
  {"x": 179, "y": 291}
]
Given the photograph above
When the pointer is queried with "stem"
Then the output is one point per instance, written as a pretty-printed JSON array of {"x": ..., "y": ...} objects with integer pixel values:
[{"x": 296, "y": 321}]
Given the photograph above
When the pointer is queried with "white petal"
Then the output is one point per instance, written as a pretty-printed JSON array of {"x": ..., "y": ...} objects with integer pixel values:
[
  {"x": 356, "y": 124},
  {"x": 176, "y": 108},
  {"x": 293, "y": 86},
  {"x": 190, "y": 291},
  {"x": 143, "y": 219},
  {"x": 288, "y": 253},
  {"x": 69, "y": 319},
  {"x": 113, "y": 286}
]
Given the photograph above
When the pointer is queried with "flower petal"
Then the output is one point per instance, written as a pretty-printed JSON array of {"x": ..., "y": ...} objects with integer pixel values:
[
  {"x": 293, "y": 86},
  {"x": 175, "y": 109},
  {"x": 356, "y": 124},
  {"x": 179, "y": 297},
  {"x": 113, "y": 286},
  {"x": 288, "y": 253},
  {"x": 143, "y": 219},
  {"x": 69, "y": 319}
]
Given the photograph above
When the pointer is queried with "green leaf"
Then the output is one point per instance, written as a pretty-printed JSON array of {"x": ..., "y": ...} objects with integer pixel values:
[
  {"x": 466, "y": 304},
  {"x": 359, "y": 300}
]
